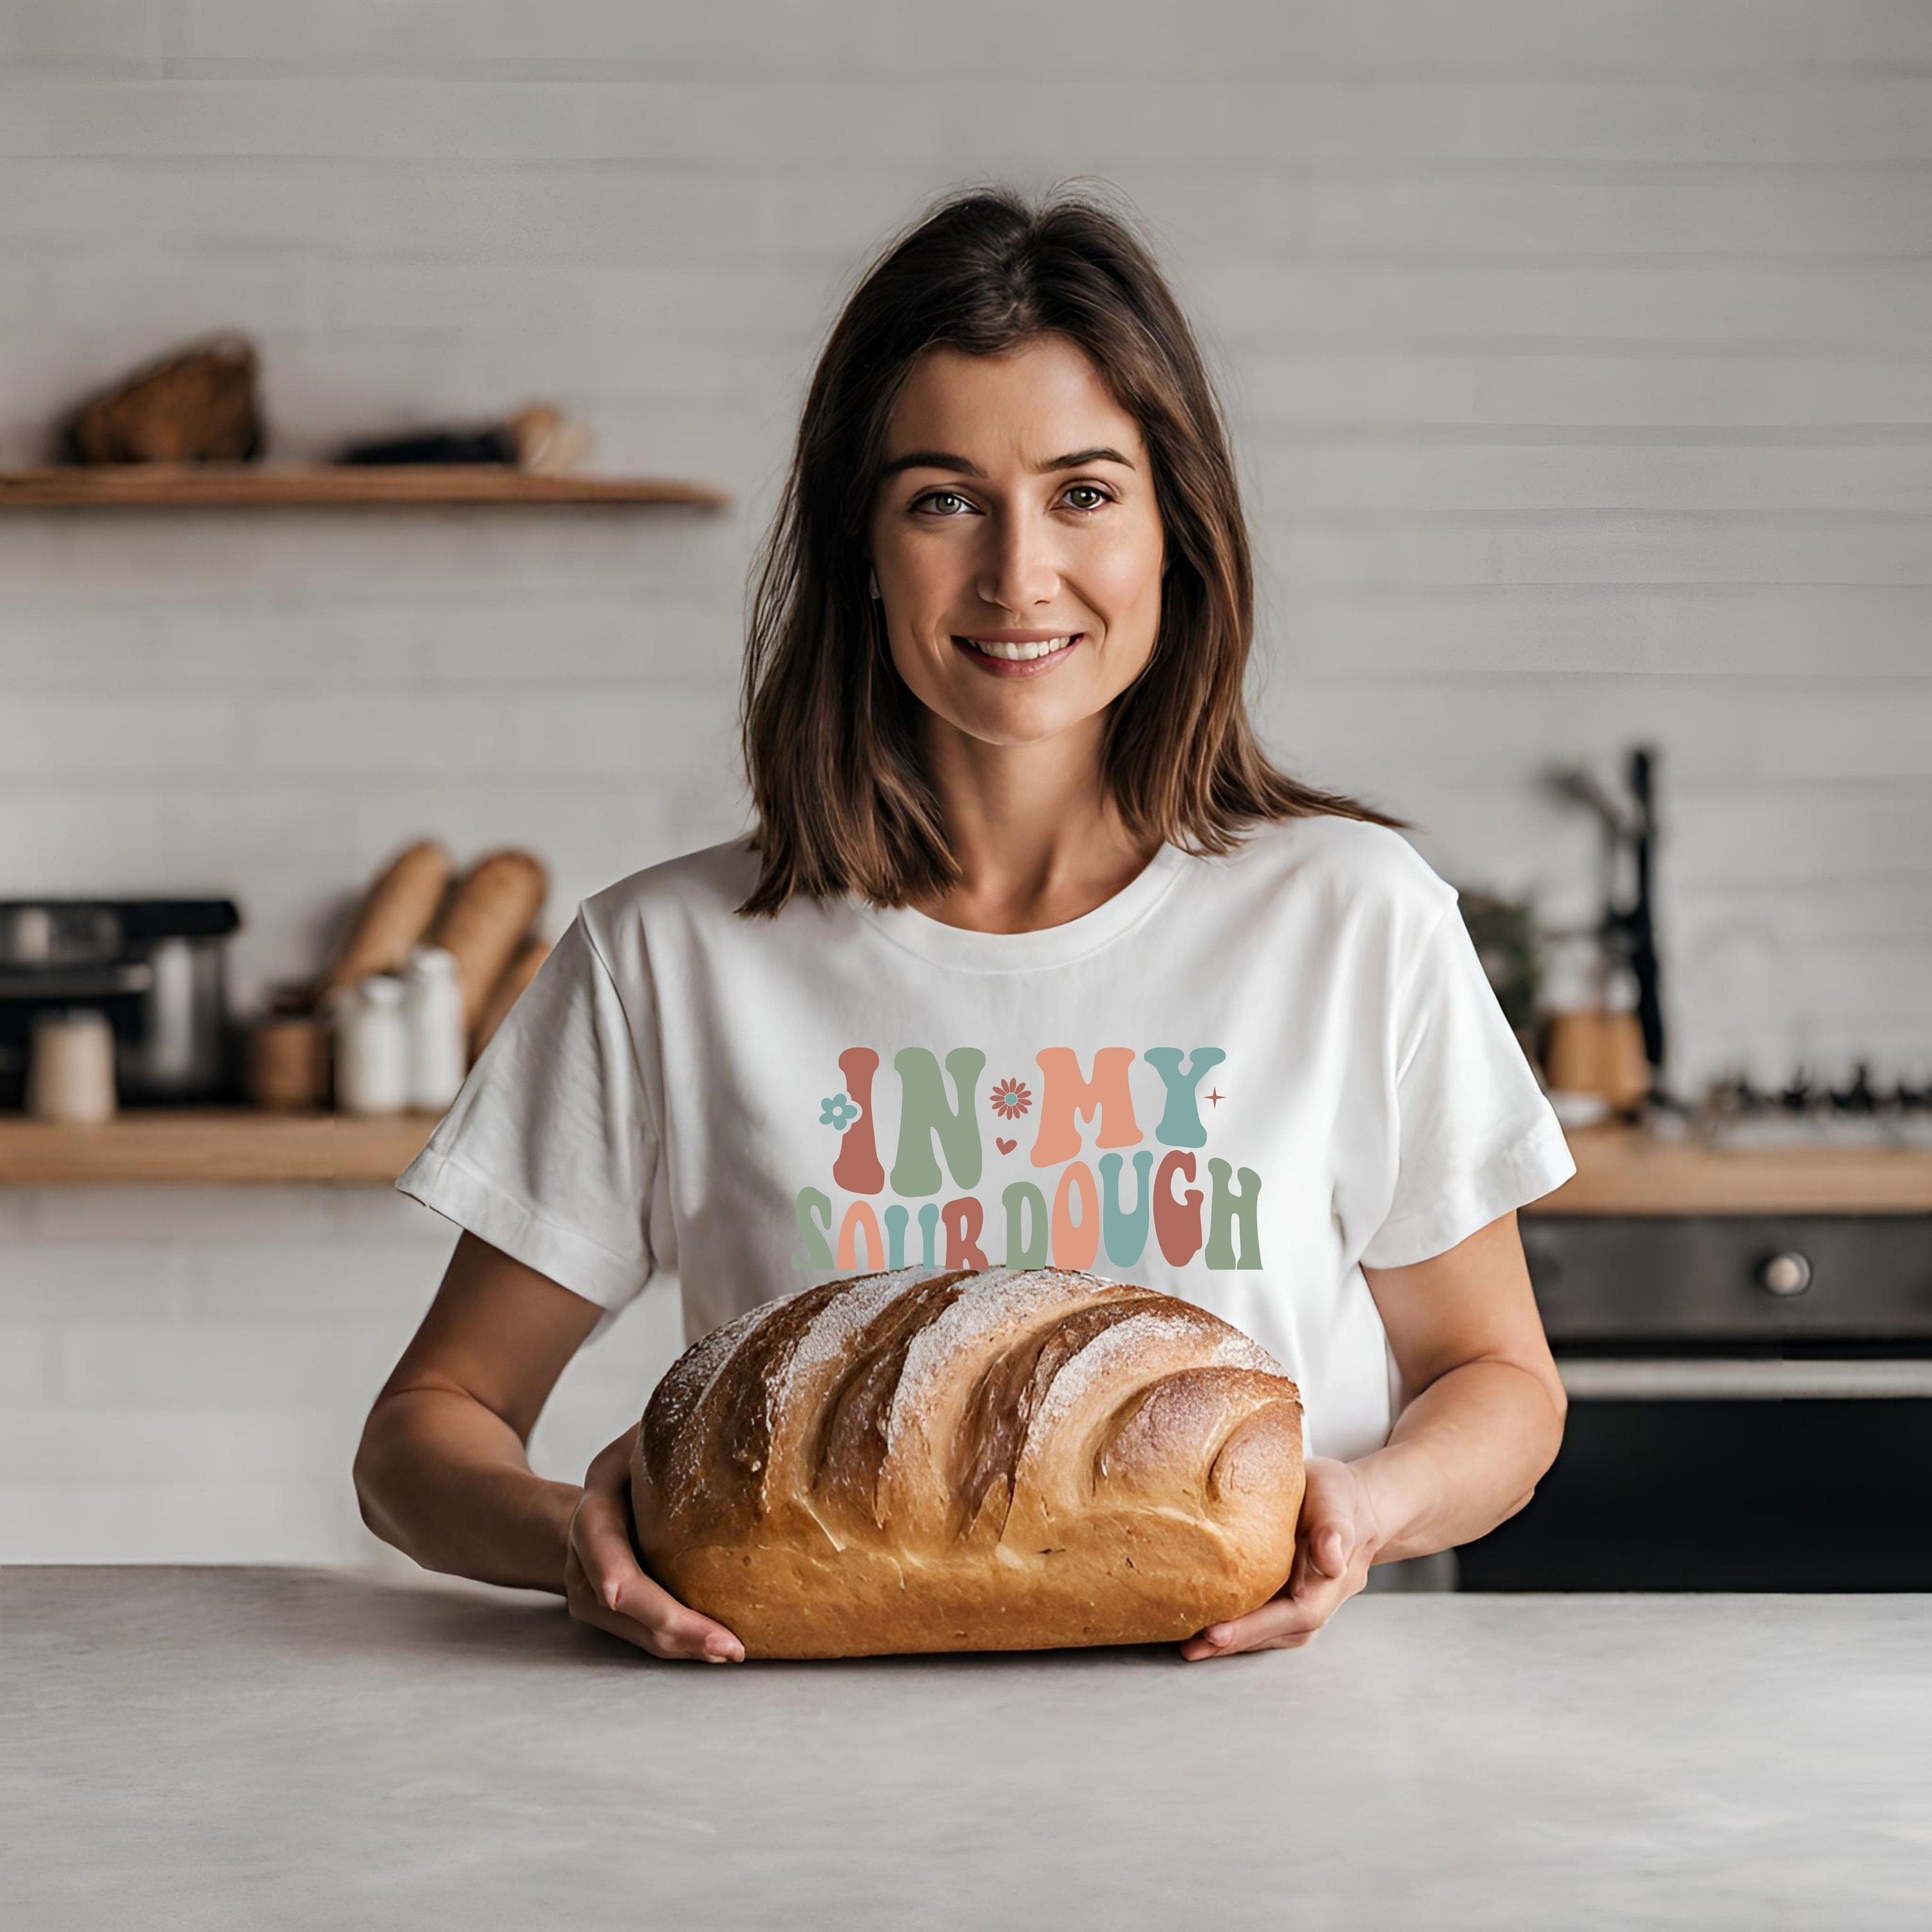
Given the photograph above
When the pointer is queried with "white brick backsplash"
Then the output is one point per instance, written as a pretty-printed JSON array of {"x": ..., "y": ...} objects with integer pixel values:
[
  {"x": 1575, "y": 365},
  {"x": 88, "y": 1280},
  {"x": 1619, "y": 546},
  {"x": 1315, "y": 476},
  {"x": 160, "y": 1445},
  {"x": 142, "y": 1214},
  {"x": 395, "y": 733},
  {"x": 210, "y": 1517},
  {"x": 1739, "y": 632},
  {"x": 26, "y": 1357},
  {"x": 1802, "y": 730},
  {"x": 1719, "y": 36},
  {"x": 1849, "y": 212},
  {"x": 1489, "y": 387},
  {"x": 1065, "y": 123},
  {"x": 283, "y": 1281},
  {"x": 224, "y": 1364},
  {"x": 153, "y": 736},
  {"x": 1876, "y": 306}
]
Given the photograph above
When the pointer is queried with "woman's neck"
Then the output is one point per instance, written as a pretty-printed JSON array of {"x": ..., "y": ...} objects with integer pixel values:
[{"x": 1039, "y": 839}]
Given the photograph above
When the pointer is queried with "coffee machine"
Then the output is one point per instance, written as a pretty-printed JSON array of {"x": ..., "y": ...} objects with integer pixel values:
[{"x": 156, "y": 968}]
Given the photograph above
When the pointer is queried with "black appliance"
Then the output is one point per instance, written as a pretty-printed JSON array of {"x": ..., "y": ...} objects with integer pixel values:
[
  {"x": 1751, "y": 1406},
  {"x": 156, "y": 968}
]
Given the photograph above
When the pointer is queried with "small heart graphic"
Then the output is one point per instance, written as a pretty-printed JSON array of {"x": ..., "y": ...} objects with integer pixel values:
[{"x": 1006, "y": 1147}]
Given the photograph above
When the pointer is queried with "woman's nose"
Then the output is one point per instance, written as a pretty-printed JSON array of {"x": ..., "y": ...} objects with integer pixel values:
[{"x": 1021, "y": 568}]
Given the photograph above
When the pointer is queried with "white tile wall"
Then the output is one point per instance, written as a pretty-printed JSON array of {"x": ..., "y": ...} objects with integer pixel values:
[{"x": 1577, "y": 361}]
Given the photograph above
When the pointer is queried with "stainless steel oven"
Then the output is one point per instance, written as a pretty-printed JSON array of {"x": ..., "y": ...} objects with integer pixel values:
[{"x": 1751, "y": 1407}]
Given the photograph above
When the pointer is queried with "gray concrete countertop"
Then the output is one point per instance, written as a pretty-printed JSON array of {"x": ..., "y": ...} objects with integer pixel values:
[{"x": 241, "y": 1748}]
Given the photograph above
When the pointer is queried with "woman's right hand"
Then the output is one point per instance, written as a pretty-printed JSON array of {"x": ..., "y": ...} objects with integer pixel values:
[{"x": 605, "y": 1586}]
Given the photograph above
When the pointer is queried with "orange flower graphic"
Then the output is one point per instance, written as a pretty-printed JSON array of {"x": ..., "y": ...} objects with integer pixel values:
[{"x": 1011, "y": 1099}]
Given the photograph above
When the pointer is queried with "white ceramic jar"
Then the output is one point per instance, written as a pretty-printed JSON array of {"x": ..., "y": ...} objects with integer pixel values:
[
  {"x": 438, "y": 1034},
  {"x": 70, "y": 1068},
  {"x": 372, "y": 1060}
]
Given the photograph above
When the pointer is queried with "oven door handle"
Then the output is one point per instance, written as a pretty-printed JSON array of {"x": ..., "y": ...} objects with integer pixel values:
[{"x": 1739, "y": 1378}]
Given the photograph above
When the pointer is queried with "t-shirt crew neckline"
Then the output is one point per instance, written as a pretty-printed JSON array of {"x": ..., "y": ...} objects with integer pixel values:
[{"x": 1026, "y": 952}]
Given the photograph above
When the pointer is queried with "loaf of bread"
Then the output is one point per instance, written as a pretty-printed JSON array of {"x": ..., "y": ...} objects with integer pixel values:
[
  {"x": 1003, "y": 1459},
  {"x": 395, "y": 913},
  {"x": 488, "y": 914}
]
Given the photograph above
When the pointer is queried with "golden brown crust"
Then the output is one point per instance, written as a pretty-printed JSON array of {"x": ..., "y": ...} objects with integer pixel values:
[
  {"x": 396, "y": 912},
  {"x": 992, "y": 1460},
  {"x": 487, "y": 917}
]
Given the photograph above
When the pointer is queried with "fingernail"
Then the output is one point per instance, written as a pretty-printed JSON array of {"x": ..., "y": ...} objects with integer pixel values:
[
  {"x": 721, "y": 1651},
  {"x": 1218, "y": 1633},
  {"x": 612, "y": 1591}
]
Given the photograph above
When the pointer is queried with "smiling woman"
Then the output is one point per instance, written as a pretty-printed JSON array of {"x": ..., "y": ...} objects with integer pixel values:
[
  {"x": 1011, "y": 518},
  {"x": 1032, "y": 960}
]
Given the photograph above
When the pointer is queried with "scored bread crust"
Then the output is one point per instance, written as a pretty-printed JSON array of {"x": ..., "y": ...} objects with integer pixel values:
[{"x": 998, "y": 1459}]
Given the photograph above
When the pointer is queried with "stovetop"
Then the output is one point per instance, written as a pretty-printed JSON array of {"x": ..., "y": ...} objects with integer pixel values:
[{"x": 1807, "y": 1111}]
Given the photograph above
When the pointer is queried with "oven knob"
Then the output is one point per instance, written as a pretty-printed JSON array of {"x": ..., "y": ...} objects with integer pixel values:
[{"x": 1785, "y": 1274}]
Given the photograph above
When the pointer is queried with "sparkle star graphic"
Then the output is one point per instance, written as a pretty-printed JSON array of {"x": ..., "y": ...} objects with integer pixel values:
[{"x": 1216, "y": 1096}]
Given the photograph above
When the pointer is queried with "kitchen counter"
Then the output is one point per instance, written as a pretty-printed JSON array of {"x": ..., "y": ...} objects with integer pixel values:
[
  {"x": 1624, "y": 1170},
  {"x": 1620, "y": 1170},
  {"x": 244, "y": 1748}
]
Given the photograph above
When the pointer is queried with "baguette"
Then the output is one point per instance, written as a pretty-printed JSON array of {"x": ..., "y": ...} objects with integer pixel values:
[
  {"x": 395, "y": 913},
  {"x": 1005, "y": 1459},
  {"x": 486, "y": 918}
]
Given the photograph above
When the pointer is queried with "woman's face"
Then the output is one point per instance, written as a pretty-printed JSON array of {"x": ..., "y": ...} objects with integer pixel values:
[{"x": 1016, "y": 511}]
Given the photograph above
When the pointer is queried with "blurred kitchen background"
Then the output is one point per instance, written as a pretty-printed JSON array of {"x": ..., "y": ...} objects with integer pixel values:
[{"x": 1577, "y": 361}]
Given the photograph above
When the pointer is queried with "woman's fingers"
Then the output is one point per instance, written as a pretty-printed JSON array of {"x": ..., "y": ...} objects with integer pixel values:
[
  {"x": 607, "y": 1588},
  {"x": 1328, "y": 1554},
  {"x": 601, "y": 1539},
  {"x": 1286, "y": 1622},
  {"x": 649, "y": 1617}
]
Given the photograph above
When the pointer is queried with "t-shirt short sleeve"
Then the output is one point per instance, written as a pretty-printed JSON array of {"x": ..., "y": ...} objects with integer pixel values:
[
  {"x": 1474, "y": 1135},
  {"x": 549, "y": 1149}
]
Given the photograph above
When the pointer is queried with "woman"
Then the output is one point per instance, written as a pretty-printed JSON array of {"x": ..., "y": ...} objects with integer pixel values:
[{"x": 1022, "y": 888}]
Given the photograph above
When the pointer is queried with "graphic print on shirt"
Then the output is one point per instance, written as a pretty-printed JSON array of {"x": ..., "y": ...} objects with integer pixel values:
[{"x": 923, "y": 1212}]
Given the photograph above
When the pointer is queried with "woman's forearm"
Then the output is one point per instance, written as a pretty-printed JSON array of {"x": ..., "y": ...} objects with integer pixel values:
[
  {"x": 1465, "y": 1455},
  {"x": 446, "y": 1481}
]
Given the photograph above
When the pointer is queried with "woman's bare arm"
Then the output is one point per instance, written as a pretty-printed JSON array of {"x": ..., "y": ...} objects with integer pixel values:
[
  {"x": 1483, "y": 1403},
  {"x": 441, "y": 1472}
]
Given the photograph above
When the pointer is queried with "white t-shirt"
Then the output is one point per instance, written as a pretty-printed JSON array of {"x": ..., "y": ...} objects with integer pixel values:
[{"x": 1236, "y": 1081}]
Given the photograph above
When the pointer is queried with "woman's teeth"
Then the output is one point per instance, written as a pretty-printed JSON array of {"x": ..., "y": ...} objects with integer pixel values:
[{"x": 1022, "y": 653}]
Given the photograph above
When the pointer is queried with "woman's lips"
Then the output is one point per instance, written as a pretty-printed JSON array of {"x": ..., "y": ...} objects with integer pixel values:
[{"x": 1018, "y": 667}]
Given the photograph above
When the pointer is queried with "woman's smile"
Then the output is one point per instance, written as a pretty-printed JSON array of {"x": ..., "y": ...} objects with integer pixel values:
[{"x": 1017, "y": 653}]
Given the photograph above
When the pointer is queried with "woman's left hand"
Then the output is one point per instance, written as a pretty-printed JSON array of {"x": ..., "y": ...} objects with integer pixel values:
[{"x": 1335, "y": 1542}]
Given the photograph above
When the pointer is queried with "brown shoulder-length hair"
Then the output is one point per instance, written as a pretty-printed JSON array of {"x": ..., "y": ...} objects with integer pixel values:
[{"x": 830, "y": 731}]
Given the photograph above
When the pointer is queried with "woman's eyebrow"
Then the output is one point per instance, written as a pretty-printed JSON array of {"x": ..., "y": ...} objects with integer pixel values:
[{"x": 942, "y": 459}]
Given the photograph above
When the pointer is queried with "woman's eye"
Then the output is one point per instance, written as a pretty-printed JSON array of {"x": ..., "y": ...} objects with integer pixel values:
[
  {"x": 945, "y": 495},
  {"x": 947, "y": 503}
]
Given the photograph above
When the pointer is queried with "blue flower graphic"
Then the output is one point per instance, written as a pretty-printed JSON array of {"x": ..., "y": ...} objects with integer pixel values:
[{"x": 838, "y": 1112}]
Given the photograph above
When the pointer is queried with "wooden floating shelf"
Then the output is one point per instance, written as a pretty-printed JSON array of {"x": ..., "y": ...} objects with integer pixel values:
[
  {"x": 212, "y": 1144},
  {"x": 255, "y": 486},
  {"x": 1619, "y": 1170}
]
